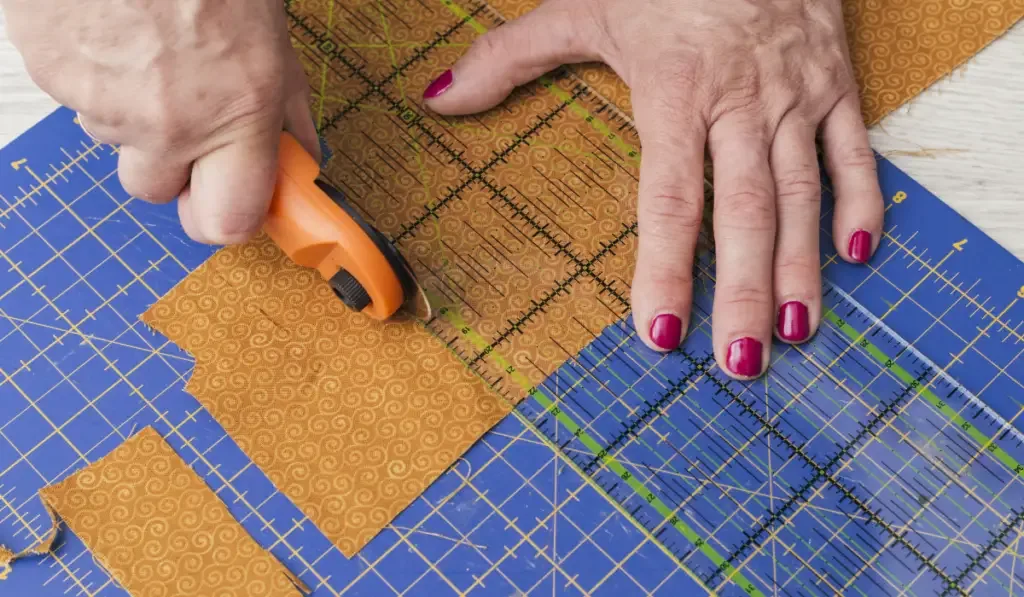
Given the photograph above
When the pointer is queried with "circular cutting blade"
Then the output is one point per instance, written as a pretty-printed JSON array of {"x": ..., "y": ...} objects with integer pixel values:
[{"x": 415, "y": 302}]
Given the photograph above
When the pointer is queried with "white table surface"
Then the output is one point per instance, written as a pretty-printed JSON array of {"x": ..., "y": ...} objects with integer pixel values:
[{"x": 963, "y": 139}]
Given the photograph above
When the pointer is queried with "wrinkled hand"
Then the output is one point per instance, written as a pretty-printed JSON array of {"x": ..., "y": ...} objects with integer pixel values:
[
  {"x": 751, "y": 81},
  {"x": 196, "y": 92}
]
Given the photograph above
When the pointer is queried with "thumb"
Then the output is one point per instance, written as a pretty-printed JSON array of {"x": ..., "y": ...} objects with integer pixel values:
[
  {"x": 230, "y": 190},
  {"x": 298, "y": 118},
  {"x": 513, "y": 54}
]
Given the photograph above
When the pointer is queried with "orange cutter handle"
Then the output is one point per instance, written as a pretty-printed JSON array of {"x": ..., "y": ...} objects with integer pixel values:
[{"x": 315, "y": 232}]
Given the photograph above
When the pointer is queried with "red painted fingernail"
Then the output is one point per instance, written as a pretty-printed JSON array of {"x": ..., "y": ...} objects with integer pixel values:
[
  {"x": 860, "y": 246},
  {"x": 744, "y": 357},
  {"x": 439, "y": 85},
  {"x": 794, "y": 323},
  {"x": 666, "y": 331}
]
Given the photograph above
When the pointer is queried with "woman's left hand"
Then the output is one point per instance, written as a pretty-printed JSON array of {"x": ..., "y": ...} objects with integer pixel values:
[{"x": 752, "y": 81}]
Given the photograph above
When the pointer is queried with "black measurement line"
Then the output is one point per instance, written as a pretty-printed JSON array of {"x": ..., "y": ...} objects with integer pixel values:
[
  {"x": 422, "y": 51},
  {"x": 800, "y": 495},
  {"x": 353, "y": 106},
  {"x": 651, "y": 409},
  {"x": 321, "y": 41},
  {"x": 331, "y": 49},
  {"x": 562, "y": 288},
  {"x": 335, "y": 52},
  {"x": 608, "y": 248},
  {"x": 326, "y": 44},
  {"x": 405, "y": 231},
  {"x": 413, "y": 119},
  {"x": 976, "y": 562},
  {"x": 823, "y": 473},
  {"x": 479, "y": 174}
]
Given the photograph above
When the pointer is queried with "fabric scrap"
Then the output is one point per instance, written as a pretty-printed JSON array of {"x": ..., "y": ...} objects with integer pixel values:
[
  {"x": 158, "y": 529},
  {"x": 349, "y": 418}
]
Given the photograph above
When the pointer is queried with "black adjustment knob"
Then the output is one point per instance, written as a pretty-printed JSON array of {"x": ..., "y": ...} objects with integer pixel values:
[{"x": 350, "y": 291}]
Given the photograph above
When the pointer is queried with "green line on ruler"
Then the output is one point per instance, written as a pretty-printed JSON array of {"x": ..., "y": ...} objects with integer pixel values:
[
  {"x": 462, "y": 14},
  {"x": 600, "y": 453},
  {"x": 590, "y": 119},
  {"x": 983, "y": 440}
]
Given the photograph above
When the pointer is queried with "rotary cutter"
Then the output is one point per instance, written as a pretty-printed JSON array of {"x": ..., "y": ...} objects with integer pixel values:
[{"x": 316, "y": 227}]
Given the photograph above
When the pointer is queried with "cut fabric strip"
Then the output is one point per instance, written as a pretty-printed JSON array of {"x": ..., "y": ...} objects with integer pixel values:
[
  {"x": 158, "y": 529},
  {"x": 351, "y": 419}
]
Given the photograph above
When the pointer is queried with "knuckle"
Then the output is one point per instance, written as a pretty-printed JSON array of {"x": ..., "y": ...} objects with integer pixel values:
[
  {"x": 670, "y": 212},
  {"x": 739, "y": 91},
  {"x": 797, "y": 189},
  {"x": 678, "y": 70},
  {"x": 678, "y": 79},
  {"x": 665, "y": 278},
  {"x": 164, "y": 127},
  {"x": 266, "y": 77},
  {"x": 797, "y": 267},
  {"x": 744, "y": 190},
  {"x": 676, "y": 109},
  {"x": 256, "y": 101},
  {"x": 855, "y": 156},
  {"x": 258, "y": 94},
  {"x": 749, "y": 208},
  {"x": 88, "y": 96},
  {"x": 493, "y": 43},
  {"x": 743, "y": 299}
]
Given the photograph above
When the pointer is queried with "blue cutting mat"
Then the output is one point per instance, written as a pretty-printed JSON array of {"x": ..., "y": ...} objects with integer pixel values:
[{"x": 860, "y": 465}]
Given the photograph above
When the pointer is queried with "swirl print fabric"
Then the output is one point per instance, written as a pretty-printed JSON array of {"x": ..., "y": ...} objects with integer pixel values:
[
  {"x": 159, "y": 530},
  {"x": 350, "y": 418},
  {"x": 897, "y": 47},
  {"x": 522, "y": 219},
  {"x": 900, "y": 47}
]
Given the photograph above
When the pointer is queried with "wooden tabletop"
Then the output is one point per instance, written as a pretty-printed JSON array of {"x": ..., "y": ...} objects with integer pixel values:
[{"x": 963, "y": 139}]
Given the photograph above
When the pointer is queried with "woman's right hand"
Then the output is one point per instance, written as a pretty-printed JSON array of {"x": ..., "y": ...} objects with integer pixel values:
[{"x": 196, "y": 93}]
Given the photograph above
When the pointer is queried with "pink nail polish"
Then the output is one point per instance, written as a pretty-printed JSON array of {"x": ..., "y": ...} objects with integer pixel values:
[
  {"x": 860, "y": 246},
  {"x": 666, "y": 331},
  {"x": 794, "y": 323},
  {"x": 744, "y": 357},
  {"x": 439, "y": 85}
]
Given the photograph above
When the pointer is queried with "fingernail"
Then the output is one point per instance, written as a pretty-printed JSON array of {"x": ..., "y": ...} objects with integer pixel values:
[
  {"x": 666, "y": 331},
  {"x": 860, "y": 246},
  {"x": 744, "y": 357},
  {"x": 794, "y": 324},
  {"x": 439, "y": 85}
]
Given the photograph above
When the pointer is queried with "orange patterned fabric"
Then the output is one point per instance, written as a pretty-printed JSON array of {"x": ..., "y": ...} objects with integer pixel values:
[
  {"x": 900, "y": 47},
  {"x": 349, "y": 418},
  {"x": 521, "y": 220},
  {"x": 159, "y": 529}
]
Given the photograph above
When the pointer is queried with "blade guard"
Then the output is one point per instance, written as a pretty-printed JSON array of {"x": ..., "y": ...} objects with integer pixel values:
[{"x": 315, "y": 232}]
